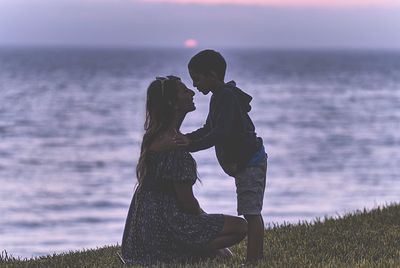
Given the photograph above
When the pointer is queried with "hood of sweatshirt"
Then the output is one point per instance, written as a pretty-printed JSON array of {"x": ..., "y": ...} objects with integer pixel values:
[{"x": 244, "y": 98}]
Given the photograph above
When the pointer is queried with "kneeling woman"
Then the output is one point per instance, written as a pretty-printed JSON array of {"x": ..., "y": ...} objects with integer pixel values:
[{"x": 165, "y": 222}]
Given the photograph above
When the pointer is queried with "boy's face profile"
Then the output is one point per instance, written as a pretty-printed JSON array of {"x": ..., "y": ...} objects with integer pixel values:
[{"x": 203, "y": 83}]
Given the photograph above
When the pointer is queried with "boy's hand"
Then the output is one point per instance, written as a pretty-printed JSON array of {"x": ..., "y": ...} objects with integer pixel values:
[{"x": 181, "y": 140}]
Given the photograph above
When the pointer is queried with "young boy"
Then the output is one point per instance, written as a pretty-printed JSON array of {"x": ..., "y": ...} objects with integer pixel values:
[{"x": 239, "y": 151}]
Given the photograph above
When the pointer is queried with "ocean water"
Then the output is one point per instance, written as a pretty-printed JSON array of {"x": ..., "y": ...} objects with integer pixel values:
[{"x": 71, "y": 122}]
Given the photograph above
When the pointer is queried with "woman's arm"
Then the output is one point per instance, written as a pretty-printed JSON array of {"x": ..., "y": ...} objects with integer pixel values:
[{"x": 186, "y": 199}]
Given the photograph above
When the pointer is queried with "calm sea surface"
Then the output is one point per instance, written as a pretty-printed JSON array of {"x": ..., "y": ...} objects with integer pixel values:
[{"x": 71, "y": 123}]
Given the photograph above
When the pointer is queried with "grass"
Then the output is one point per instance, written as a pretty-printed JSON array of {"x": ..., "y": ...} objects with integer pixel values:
[{"x": 361, "y": 239}]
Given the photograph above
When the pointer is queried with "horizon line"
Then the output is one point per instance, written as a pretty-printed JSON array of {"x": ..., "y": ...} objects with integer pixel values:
[{"x": 146, "y": 47}]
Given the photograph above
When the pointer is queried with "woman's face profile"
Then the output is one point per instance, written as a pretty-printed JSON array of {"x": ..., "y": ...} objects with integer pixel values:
[{"x": 184, "y": 98}]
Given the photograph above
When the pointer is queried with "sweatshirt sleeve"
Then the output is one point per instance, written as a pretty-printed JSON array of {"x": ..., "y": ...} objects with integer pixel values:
[
  {"x": 201, "y": 132},
  {"x": 222, "y": 122}
]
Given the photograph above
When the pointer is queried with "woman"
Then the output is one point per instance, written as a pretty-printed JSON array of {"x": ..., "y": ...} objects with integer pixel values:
[{"x": 165, "y": 222}]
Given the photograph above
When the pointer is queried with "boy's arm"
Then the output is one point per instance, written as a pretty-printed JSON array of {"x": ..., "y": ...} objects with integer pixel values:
[
  {"x": 199, "y": 133},
  {"x": 222, "y": 125}
]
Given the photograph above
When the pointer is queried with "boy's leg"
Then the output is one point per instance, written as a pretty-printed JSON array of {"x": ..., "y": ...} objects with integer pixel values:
[
  {"x": 255, "y": 237},
  {"x": 250, "y": 187}
]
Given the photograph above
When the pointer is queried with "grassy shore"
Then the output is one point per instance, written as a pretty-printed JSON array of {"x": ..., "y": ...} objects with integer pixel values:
[{"x": 360, "y": 239}]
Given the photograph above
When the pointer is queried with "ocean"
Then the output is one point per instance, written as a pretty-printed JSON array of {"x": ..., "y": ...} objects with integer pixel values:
[{"x": 71, "y": 123}]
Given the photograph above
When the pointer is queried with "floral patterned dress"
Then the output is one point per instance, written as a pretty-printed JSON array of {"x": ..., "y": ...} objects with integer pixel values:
[{"x": 156, "y": 229}]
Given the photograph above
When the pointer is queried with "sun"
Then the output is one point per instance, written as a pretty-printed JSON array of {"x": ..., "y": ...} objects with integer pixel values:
[{"x": 191, "y": 43}]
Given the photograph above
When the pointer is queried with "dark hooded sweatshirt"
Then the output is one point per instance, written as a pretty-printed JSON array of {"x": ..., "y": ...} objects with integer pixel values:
[{"x": 229, "y": 128}]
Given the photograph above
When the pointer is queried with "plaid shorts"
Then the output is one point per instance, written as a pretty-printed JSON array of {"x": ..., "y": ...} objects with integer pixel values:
[{"x": 250, "y": 188}]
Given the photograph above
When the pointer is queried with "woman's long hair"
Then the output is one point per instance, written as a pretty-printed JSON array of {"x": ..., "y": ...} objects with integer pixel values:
[{"x": 161, "y": 98}]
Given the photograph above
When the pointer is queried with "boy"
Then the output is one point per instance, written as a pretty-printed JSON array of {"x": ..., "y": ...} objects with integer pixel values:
[{"x": 239, "y": 151}]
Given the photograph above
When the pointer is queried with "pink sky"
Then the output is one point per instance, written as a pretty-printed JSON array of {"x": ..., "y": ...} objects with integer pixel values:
[
  {"x": 371, "y": 24},
  {"x": 323, "y": 3}
]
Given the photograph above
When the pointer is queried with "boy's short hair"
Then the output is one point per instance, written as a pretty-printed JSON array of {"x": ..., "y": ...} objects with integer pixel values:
[{"x": 207, "y": 61}]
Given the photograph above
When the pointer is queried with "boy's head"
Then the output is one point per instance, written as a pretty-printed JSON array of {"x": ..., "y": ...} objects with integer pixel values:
[{"x": 207, "y": 70}]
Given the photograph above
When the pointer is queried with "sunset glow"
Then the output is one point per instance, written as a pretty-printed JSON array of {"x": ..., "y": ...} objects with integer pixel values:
[
  {"x": 191, "y": 43},
  {"x": 316, "y": 3}
]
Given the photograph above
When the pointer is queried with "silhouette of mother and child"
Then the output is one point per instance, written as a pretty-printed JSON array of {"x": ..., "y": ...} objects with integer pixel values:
[{"x": 165, "y": 223}]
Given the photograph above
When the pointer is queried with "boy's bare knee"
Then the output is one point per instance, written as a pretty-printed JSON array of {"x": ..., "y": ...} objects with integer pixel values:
[{"x": 253, "y": 218}]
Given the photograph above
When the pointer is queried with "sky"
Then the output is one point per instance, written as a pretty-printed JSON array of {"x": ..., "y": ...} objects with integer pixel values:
[{"x": 354, "y": 24}]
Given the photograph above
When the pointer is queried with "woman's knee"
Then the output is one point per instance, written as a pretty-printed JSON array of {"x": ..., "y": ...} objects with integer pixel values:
[
  {"x": 235, "y": 225},
  {"x": 243, "y": 226}
]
